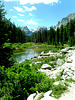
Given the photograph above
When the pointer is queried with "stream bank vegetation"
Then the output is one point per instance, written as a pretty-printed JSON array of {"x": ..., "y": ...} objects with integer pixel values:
[{"x": 21, "y": 80}]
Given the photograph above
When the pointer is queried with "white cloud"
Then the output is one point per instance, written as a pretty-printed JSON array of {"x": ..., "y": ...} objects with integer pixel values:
[
  {"x": 19, "y": 9},
  {"x": 20, "y": 20},
  {"x": 29, "y": 9},
  {"x": 35, "y": 1},
  {"x": 38, "y": 1},
  {"x": 21, "y": 14},
  {"x": 11, "y": 0},
  {"x": 14, "y": 16},
  {"x": 30, "y": 14},
  {"x": 32, "y": 22},
  {"x": 11, "y": 9}
]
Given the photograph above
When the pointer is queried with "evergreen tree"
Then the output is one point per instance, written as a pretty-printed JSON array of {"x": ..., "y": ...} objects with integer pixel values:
[
  {"x": 44, "y": 35},
  {"x": 3, "y": 27},
  {"x": 61, "y": 34},
  {"x": 5, "y": 53},
  {"x": 57, "y": 32}
]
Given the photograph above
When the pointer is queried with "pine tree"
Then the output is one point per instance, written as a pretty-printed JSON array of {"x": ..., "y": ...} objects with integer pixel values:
[
  {"x": 61, "y": 34},
  {"x": 57, "y": 32},
  {"x": 5, "y": 53},
  {"x": 3, "y": 35}
]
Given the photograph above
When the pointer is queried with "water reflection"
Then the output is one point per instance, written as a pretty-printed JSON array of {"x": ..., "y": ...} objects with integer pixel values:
[{"x": 28, "y": 53}]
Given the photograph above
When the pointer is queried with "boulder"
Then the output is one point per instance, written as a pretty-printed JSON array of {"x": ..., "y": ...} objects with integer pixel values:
[
  {"x": 46, "y": 66},
  {"x": 39, "y": 96},
  {"x": 73, "y": 68},
  {"x": 48, "y": 98},
  {"x": 59, "y": 62},
  {"x": 64, "y": 51},
  {"x": 38, "y": 62},
  {"x": 31, "y": 96},
  {"x": 42, "y": 52},
  {"x": 69, "y": 61},
  {"x": 48, "y": 93},
  {"x": 56, "y": 83}
]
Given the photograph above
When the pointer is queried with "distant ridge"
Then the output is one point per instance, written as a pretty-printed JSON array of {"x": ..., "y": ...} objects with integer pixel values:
[
  {"x": 65, "y": 20},
  {"x": 27, "y": 31},
  {"x": 30, "y": 32}
]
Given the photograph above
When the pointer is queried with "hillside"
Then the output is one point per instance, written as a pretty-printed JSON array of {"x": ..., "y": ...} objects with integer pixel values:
[
  {"x": 26, "y": 30},
  {"x": 65, "y": 20}
]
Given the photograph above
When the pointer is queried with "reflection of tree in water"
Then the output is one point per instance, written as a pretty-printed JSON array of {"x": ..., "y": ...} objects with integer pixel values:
[{"x": 27, "y": 54}]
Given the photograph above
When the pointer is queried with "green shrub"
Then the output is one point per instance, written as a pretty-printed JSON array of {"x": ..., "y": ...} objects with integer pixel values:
[
  {"x": 20, "y": 81},
  {"x": 58, "y": 90}
]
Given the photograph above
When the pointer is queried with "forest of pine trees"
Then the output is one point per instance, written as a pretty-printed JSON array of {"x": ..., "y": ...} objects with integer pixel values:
[
  {"x": 8, "y": 33},
  {"x": 62, "y": 35}
]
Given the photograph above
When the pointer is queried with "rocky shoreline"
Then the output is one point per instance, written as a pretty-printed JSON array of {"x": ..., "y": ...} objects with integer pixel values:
[
  {"x": 66, "y": 66},
  {"x": 49, "y": 54}
]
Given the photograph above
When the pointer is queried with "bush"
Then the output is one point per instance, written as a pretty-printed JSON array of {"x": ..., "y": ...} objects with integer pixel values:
[
  {"x": 20, "y": 81},
  {"x": 58, "y": 90}
]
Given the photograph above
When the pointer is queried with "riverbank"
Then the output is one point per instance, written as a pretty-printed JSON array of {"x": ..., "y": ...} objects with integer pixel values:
[
  {"x": 18, "y": 47},
  {"x": 47, "y": 75},
  {"x": 63, "y": 72},
  {"x": 29, "y": 50}
]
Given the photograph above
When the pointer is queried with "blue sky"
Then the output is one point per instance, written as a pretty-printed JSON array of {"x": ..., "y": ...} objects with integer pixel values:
[{"x": 34, "y": 13}]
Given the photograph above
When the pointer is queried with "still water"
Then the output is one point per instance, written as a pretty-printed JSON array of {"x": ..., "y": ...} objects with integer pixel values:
[{"x": 28, "y": 53}]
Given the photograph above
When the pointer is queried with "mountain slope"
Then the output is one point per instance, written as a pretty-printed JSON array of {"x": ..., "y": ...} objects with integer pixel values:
[
  {"x": 27, "y": 31},
  {"x": 65, "y": 20}
]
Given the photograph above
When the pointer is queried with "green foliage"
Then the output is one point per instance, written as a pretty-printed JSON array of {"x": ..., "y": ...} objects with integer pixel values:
[
  {"x": 17, "y": 47},
  {"x": 5, "y": 57},
  {"x": 58, "y": 90},
  {"x": 20, "y": 81},
  {"x": 70, "y": 80}
]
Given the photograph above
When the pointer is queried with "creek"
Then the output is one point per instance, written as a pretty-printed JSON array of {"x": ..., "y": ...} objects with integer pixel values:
[{"x": 31, "y": 52}]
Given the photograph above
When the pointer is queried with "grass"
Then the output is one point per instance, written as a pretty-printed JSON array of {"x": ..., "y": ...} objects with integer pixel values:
[{"x": 18, "y": 47}]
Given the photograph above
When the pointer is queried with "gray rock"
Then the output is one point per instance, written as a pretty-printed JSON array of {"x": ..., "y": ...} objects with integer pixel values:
[
  {"x": 59, "y": 62},
  {"x": 38, "y": 62},
  {"x": 48, "y": 98},
  {"x": 42, "y": 52},
  {"x": 31, "y": 96},
  {"x": 56, "y": 83},
  {"x": 39, "y": 96},
  {"x": 48, "y": 93},
  {"x": 65, "y": 50},
  {"x": 46, "y": 66},
  {"x": 73, "y": 68},
  {"x": 69, "y": 61}
]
